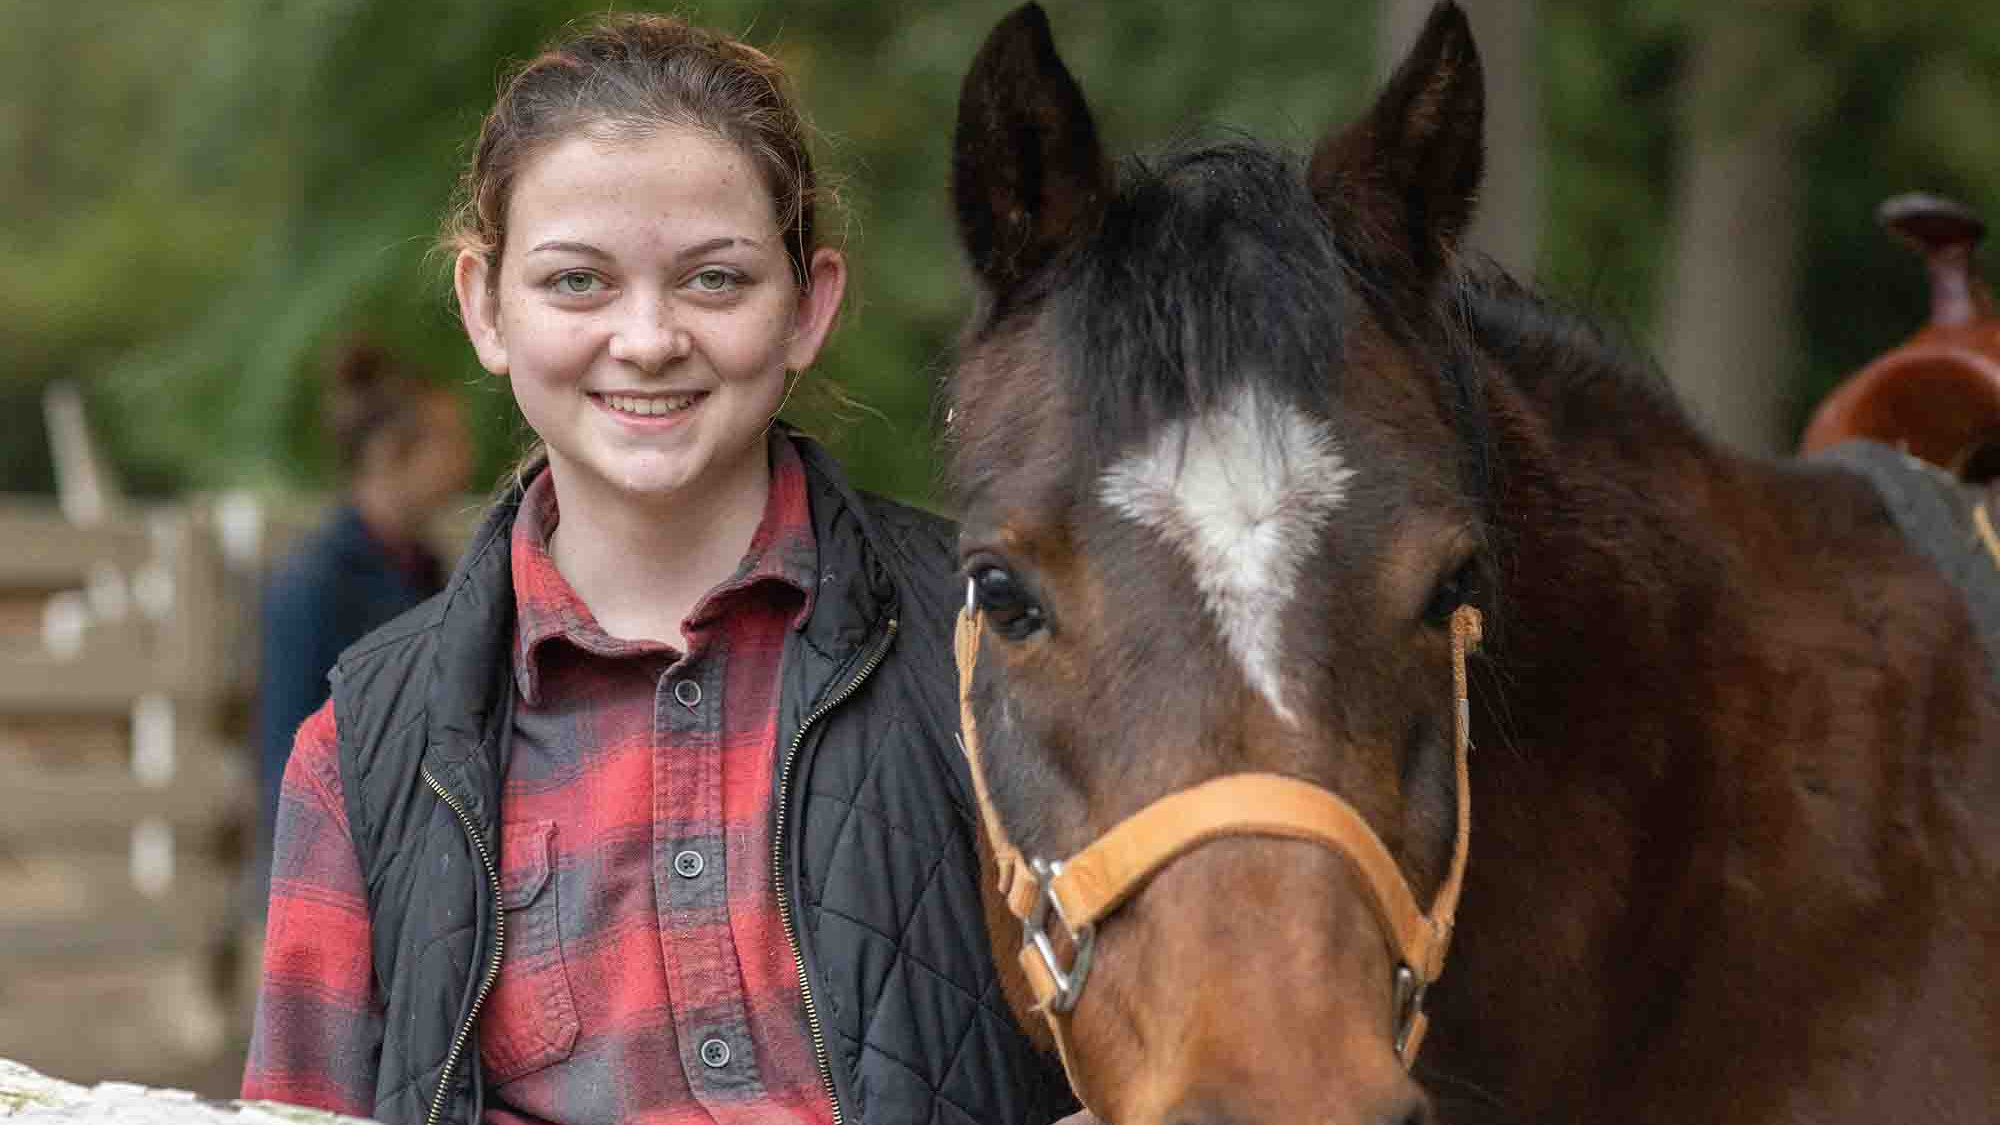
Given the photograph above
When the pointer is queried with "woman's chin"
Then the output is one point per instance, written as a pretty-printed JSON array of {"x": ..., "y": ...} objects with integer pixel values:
[{"x": 656, "y": 477}]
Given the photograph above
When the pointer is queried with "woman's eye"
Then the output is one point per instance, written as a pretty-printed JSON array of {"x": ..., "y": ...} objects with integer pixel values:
[
  {"x": 1447, "y": 596},
  {"x": 714, "y": 280},
  {"x": 575, "y": 283},
  {"x": 1006, "y": 602}
]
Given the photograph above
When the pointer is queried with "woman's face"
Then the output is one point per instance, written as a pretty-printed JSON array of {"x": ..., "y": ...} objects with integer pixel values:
[{"x": 646, "y": 312}]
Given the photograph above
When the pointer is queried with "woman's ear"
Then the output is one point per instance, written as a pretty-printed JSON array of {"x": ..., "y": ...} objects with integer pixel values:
[
  {"x": 819, "y": 307},
  {"x": 479, "y": 308}
]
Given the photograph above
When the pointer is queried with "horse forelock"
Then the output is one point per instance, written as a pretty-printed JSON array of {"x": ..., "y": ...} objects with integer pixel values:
[{"x": 1211, "y": 269}]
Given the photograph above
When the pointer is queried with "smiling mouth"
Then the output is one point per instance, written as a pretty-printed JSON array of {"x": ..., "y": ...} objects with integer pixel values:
[{"x": 650, "y": 406}]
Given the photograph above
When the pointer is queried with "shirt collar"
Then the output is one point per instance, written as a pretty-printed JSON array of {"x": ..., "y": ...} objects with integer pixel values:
[{"x": 782, "y": 556}]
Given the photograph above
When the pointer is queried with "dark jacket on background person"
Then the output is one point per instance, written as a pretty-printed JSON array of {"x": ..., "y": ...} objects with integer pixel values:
[
  {"x": 877, "y": 861},
  {"x": 338, "y": 583}
]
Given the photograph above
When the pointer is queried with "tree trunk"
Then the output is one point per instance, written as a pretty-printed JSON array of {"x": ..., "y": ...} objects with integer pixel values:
[
  {"x": 1508, "y": 223},
  {"x": 1729, "y": 326}
]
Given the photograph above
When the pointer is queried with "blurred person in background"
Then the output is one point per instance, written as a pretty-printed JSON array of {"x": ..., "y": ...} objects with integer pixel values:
[
  {"x": 656, "y": 813},
  {"x": 404, "y": 453}
]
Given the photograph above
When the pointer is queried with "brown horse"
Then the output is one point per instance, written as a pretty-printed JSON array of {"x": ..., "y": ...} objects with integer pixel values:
[{"x": 1236, "y": 437}]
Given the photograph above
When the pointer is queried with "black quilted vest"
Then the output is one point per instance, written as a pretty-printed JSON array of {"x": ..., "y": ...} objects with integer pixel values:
[{"x": 879, "y": 865}]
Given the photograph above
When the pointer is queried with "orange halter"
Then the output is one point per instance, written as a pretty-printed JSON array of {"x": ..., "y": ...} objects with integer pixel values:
[{"x": 1088, "y": 887}]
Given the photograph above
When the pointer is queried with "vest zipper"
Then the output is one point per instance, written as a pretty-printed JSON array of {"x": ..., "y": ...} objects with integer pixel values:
[
  {"x": 464, "y": 1032},
  {"x": 778, "y": 860}
]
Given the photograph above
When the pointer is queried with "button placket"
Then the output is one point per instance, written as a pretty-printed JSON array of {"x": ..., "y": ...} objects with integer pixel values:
[{"x": 711, "y": 1022}]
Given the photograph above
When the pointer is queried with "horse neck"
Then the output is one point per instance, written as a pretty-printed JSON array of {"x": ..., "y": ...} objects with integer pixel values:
[
  {"x": 1634, "y": 558},
  {"x": 1722, "y": 703},
  {"x": 1670, "y": 609}
]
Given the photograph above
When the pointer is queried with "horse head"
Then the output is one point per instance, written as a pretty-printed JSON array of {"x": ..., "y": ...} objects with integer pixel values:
[{"x": 1215, "y": 438}]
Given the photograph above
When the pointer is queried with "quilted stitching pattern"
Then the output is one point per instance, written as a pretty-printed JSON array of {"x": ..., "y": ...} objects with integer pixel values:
[{"x": 890, "y": 883}]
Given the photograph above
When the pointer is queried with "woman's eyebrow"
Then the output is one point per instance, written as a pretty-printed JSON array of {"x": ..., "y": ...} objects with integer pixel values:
[
  {"x": 708, "y": 246},
  {"x": 584, "y": 248}
]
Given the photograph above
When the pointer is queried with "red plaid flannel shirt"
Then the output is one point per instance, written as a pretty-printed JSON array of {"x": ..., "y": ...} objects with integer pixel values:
[{"x": 646, "y": 974}]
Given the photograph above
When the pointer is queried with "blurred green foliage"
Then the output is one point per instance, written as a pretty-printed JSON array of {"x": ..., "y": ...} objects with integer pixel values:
[{"x": 203, "y": 196}]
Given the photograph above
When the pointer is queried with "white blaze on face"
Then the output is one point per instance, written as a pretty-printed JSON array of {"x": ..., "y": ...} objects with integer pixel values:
[{"x": 1243, "y": 491}]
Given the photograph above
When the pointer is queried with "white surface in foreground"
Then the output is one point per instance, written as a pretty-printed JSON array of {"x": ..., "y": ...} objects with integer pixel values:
[{"x": 26, "y": 1096}]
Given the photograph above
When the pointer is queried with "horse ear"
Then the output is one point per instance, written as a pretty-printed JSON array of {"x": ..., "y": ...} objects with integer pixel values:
[
  {"x": 1404, "y": 177},
  {"x": 1028, "y": 174}
]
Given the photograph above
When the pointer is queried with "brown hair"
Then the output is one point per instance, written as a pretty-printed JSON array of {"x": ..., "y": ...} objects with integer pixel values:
[
  {"x": 626, "y": 75},
  {"x": 369, "y": 394}
]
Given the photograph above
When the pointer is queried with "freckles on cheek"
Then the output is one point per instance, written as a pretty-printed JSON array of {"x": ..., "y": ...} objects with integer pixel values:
[
  {"x": 760, "y": 347},
  {"x": 537, "y": 333},
  {"x": 776, "y": 327}
]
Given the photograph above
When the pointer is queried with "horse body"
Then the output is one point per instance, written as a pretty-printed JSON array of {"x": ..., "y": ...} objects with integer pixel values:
[
  {"x": 1735, "y": 856},
  {"x": 1235, "y": 438}
]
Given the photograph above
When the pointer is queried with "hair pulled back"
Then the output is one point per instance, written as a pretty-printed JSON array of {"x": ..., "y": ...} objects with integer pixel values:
[
  {"x": 369, "y": 395},
  {"x": 625, "y": 76}
]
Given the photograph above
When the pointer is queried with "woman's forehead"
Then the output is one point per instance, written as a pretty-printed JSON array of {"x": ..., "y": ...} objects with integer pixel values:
[{"x": 674, "y": 182}]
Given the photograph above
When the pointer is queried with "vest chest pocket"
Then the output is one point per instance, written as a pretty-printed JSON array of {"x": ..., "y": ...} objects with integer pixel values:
[{"x": 530, "y": 1017}]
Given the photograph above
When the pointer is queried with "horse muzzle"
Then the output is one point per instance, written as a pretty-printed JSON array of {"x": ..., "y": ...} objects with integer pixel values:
[{"x": 1062, "y": 902}]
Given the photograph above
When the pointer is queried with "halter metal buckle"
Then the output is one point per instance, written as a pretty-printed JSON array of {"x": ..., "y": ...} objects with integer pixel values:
[
  {"x": 1410, "y": 990},
  {"x": 1035, "y": 930}
]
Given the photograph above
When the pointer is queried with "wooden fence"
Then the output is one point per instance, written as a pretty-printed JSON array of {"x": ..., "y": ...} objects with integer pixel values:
[
  {"x": 127, "y": 792},
  {"x": 129, "y": 935},
  {"x": 129, "y": 939}
]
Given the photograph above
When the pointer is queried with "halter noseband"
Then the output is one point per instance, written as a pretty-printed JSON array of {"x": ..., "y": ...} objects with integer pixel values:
[{"x": 1088, "y": 887}]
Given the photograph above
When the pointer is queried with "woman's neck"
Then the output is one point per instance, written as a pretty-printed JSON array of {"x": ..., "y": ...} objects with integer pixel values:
[{"x": 642, "y": 567}]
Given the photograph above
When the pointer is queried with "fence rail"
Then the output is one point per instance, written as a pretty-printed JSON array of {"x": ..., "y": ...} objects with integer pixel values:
[
  {"x": 126, "y": 793},
  {"x": 128, "y": 939}
]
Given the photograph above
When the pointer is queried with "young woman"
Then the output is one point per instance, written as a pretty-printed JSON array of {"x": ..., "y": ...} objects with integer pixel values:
[
  {"x": 404, "y": 451},
  {"x": 654, "y": 813}
]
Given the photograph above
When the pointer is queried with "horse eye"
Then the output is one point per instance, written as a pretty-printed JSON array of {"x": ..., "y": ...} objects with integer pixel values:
[
  {"x": 1449, "y": 594},
  {"x": 1008, "y": 606}
]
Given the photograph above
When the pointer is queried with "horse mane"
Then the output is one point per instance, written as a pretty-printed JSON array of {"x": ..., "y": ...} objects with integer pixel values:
[
  {"x": 1154, "y": 328},
  {"x": 1151, "y": 320},
  {"x": 1584, "y": 374},
  {"x": 1146, "y": 320}
]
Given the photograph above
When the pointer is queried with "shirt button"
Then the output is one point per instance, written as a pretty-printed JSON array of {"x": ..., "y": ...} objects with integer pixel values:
[
  {"x": 688, "y": 865},
  {"x": 714, "y": 1053},
  {"x": 688, "y": 692}
]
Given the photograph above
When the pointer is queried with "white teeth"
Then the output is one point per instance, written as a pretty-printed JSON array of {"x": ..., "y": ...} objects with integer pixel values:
[{"x": 649, "y": 404}]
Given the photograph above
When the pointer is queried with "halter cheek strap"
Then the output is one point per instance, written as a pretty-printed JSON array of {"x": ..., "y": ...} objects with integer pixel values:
[{"x": 1089, "y": 886}]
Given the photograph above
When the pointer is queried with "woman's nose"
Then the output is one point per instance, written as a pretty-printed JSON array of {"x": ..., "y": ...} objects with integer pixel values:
[{"x": 648, "y": 335}]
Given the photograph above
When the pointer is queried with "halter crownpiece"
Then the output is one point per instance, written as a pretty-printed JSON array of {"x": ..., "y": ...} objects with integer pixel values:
[{"x": 1083, "y": 890}]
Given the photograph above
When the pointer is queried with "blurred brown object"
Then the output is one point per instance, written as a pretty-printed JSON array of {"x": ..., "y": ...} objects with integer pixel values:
[
  {"x": 126, "y": 798},
  {"x": 1937, "y": 395}
]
